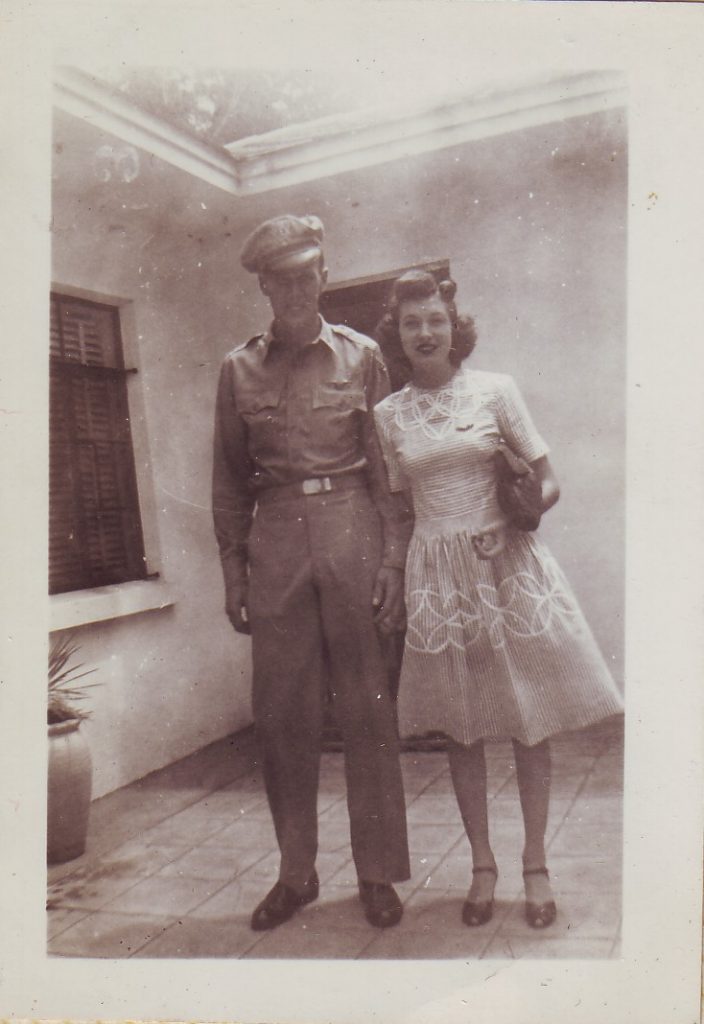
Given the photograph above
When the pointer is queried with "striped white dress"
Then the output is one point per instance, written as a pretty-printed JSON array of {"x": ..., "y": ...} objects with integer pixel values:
[{"x": 496, "y": 647}]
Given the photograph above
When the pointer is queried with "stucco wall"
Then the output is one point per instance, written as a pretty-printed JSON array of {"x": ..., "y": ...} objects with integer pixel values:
[{"x": 534, "y": 226}]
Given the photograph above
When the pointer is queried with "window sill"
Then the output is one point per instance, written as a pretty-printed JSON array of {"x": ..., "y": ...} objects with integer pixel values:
[{"x": 81, "y": 607}]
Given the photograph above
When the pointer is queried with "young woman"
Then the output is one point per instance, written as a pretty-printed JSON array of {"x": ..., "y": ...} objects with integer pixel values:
[{"x": 496, "y": 645}]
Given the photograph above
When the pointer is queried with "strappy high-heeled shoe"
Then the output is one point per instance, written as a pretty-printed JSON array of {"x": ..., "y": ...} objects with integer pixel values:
[
  {"x": 477, "y": 912},
  {"x": 540, "y": 915}
]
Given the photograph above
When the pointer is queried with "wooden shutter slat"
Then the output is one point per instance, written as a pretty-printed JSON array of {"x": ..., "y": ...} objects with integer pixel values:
[{"x": 94, "y": 529}]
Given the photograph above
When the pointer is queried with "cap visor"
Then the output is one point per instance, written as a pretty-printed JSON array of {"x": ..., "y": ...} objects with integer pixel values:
[{"x": 293, "y": 260}]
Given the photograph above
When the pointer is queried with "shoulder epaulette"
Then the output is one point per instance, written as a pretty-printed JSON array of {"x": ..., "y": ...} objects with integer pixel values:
[
  {"x": 246, "y": 344},
  {"x": 349, "y": 332}
]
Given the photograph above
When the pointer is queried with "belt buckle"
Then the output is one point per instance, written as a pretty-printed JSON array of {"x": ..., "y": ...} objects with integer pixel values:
[{"x": 317, "y": 485}]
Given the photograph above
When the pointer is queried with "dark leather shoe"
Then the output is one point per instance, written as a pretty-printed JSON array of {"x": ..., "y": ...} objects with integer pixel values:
[
  {"x": 540, "y": 915},
  {"x": 282, "y": 903},
  {"x": 382, "y": 907},
  {"x": 478, "y": 912}
]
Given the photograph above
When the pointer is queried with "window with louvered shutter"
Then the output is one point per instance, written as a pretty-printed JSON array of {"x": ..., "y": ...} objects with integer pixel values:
[{"x": 95, "y": 532}]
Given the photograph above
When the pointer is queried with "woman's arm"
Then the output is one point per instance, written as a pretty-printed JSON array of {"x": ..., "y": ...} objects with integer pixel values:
[
  {"x": 550, "y": 487},
  {"x": 492, "y": 540}
]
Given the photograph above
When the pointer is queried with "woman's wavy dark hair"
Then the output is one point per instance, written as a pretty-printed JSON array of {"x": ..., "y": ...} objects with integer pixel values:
[{"x": 414, "y": 285}]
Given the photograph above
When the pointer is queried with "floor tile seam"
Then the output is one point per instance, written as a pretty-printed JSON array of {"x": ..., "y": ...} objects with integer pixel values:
[
  {"x": 496, "y": 920},
  {"x": 537, "y": 936},
  {"x": 203, "y": 878},
  {"x": 505, "y": 903},
  {"x": 509, "y": 778},
  {"x": 188, "y": 803},
  {"x": 98, "y": 907},
  {"x": 69, "y": 924},
  {"x": 250, "y": 867},
  {"x": 565, "y": 814},
  {"x": 441, "y": 857},
  {"x": 257, "y": 940},
  {"x": 204, "y": 846},
  {"x": 135, "y": 834},
  {"x": 417, "y": 888},
  {"x": 581, "y": 856},
  {"x": 205, "y": 899},
  {"x": 75, "y": 875},
  {"x": 461, "y": 841},
  {"x": 587, "y": 776},
  {"x": 173, "y": 924},
  {"x": 188, "y": 844},
  {"x": 562, "y": 830},
  {"x": 360, "y": 952},
  {"x": 534, "y": 952},
  {"x": 142, "y": 877},
  {"x": 115, "y": 913},
  {"x": 432, "y": 822},
  {"x": 431, "y": 782},
  {"x": 606, "y": 861},
  {"x": 223, "y": 845},
  {"x": 227, "y": 818},
  {"x": 182, "y": 852},
  {"x": 337, "y": 803},
  {"x": 499, "y": 938},
  {"x": 153, "y": 938}
]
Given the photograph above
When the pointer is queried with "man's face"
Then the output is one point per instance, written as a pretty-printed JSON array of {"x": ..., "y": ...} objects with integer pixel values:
[{"x": 294, "y": 294}]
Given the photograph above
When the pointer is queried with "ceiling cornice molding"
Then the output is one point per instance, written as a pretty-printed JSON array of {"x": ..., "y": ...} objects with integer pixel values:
[
  {"x": 332, "y": 145},
  {"x": 81, "y": 95}
]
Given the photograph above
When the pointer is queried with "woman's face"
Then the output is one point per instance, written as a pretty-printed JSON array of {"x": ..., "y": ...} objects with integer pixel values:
[{"x": 426, "y": 333}]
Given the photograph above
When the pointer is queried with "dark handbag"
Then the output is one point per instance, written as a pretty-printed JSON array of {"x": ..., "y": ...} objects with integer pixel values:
[{"x": 518, "y": 489}]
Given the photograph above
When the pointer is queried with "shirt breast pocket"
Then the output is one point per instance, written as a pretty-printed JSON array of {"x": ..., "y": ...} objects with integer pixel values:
[
  {"x": 260, "y": 405},
  {"x": 340, "y": 396},
  {"x": 262, "y": 413}
]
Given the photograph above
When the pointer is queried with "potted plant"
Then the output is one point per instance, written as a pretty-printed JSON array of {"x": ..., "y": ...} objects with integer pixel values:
[{"x": 70, "y": 774}]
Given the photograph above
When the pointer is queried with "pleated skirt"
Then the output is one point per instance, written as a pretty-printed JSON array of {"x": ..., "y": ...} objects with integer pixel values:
[{"x": 496, "y": 648}]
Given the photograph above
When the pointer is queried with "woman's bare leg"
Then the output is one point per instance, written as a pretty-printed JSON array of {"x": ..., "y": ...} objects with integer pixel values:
[
  {"x": 468, "y": 772},
  {"x": 534, "y": 773}
]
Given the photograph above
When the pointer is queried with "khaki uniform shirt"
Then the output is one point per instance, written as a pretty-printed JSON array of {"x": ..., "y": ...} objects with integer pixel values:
[{"x": 284, "y": 415}]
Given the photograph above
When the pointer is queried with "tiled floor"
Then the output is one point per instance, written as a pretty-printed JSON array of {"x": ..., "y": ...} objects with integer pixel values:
[{"x": 176, "y": 862}]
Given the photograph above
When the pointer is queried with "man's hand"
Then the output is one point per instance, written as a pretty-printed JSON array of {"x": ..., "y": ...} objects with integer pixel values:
[
  {"x": 387, "y": 600},
  {"x": 236, "y": 607}
]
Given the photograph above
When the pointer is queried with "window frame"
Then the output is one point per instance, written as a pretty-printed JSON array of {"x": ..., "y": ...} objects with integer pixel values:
[{"x": 89, "y": 577}]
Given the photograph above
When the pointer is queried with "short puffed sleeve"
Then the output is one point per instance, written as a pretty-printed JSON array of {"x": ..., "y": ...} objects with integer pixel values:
[
  {"x": 515, "y": 422},
  {"x": 384, "y": 422}
]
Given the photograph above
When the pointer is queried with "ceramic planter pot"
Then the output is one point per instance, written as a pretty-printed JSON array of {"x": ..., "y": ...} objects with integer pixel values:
[{"x": 69, "y": 792}]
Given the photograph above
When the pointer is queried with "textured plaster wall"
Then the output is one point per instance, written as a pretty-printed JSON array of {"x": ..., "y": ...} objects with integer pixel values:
[{"x": 534, "y": 226}]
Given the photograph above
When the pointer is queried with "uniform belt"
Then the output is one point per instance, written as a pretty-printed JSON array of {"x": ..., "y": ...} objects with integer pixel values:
[{"x": 314, "y": 485}]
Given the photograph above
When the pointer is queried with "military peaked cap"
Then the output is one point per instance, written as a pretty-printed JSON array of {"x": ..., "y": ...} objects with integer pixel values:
[{"x": 283, "y": 243}]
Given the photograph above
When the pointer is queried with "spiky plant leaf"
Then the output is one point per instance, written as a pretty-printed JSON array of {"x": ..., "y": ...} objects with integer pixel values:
[{"x": 64, "y": 695}]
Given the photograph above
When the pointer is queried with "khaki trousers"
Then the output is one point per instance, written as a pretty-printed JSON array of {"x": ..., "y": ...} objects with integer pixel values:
[{"x": 313, "y": 563}]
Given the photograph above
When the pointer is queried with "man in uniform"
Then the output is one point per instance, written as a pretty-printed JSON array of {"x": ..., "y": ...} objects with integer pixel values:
[{"x": 312, "y": 548}]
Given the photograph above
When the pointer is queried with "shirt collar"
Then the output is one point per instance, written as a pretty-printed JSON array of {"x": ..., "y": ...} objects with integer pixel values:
[{"x": 325, "y": 335}]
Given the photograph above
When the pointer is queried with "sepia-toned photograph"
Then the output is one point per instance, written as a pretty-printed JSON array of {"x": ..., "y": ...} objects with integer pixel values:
[
  {"x": 352, "y": 440},
  {"x": 333, "y": 672}
]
